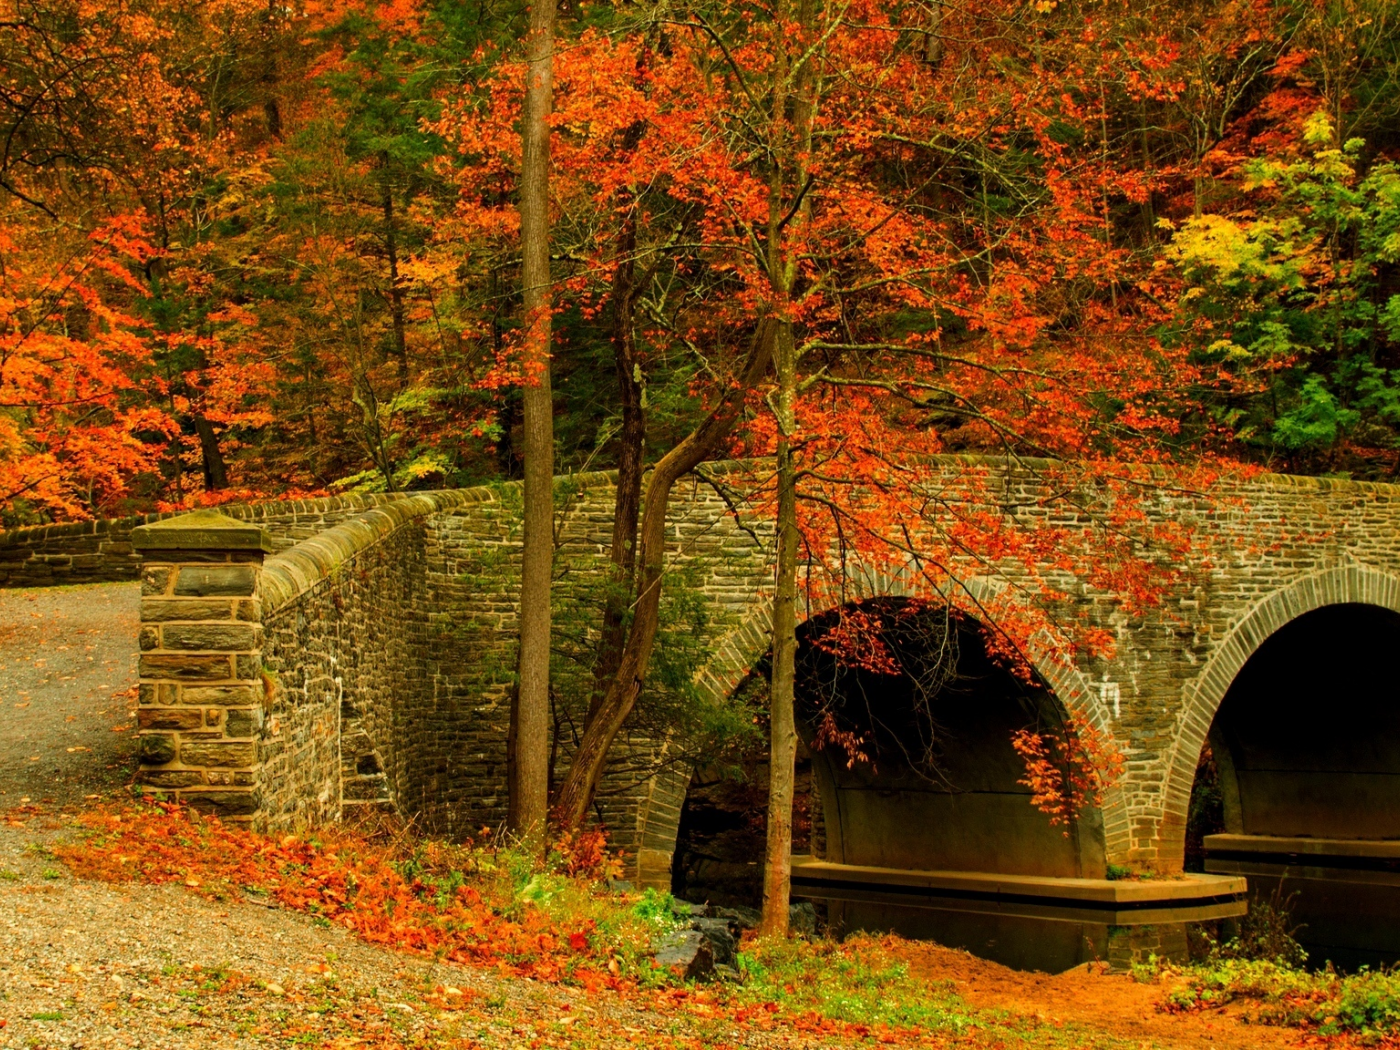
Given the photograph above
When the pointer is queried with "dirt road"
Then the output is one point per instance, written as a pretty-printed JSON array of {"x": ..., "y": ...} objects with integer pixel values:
[{"x": 67, "y": 701}]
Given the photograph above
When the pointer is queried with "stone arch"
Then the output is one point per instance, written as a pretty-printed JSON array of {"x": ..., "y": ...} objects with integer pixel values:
[
  {"x": 1355, "y": 583},
  {"x": 744, "y": 645}
]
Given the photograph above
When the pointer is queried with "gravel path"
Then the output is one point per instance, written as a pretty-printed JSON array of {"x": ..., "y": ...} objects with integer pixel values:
[
  {"x": 86, "y": 964},
  {"x": 67, "y": 680}
]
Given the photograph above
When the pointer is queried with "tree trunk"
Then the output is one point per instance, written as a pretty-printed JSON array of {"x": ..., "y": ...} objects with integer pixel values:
[
  {"x": 530, "y": 784},
  {"x": 777, "y": 868},
  {"x": 272, "y": 110},
  {"x": 789, "y": 180},
  {"x": 933, "y": 35},
  {"x": 396, "y": 313},
  {"x": 630, "y": 457},
  {"x": 215, "y": 470},
  {"x": 577, "y": 791}
]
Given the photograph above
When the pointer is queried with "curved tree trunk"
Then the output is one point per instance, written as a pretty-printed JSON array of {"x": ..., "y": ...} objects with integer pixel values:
[
  {"x": 631, "y": 449},
  {"x": 577, "y": 791}
]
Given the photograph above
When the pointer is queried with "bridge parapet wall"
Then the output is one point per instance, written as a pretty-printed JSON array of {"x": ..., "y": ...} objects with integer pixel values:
[{"x": 101, "y": 551}]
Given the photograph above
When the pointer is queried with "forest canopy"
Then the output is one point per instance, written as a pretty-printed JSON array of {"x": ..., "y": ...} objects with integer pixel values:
[{"x": 252, "y": 249}]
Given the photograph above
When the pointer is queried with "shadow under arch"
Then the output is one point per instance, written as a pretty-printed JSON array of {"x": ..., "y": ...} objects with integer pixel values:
[
  {"x": 1356, "y": 585},
  {"x": 745, "y": 645}
]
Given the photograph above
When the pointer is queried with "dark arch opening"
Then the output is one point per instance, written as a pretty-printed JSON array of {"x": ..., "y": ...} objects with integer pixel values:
[
  {"x": 1298, "y": 787},
  {"x": 938, "y": 788},
  {"x": 1307, "y": 739}
]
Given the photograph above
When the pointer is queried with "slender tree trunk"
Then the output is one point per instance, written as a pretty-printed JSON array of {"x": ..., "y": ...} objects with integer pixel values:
[
  {"x": 215, "y": 471},
  {"x": 577, "y": 791},
  {"x": 530, "y": 784},
  {"x": 630, "y": 458},
  {"x": 272, "y": 110},
  {"x": 782, "y": 755},
  {"x": 933, "y": 35},
  {"x": 396, "y": 312},
  {"x": 793, "y": 146}
]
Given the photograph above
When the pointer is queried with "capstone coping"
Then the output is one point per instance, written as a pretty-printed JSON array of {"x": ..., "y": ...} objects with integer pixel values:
[{"x": 201, "y": 530}]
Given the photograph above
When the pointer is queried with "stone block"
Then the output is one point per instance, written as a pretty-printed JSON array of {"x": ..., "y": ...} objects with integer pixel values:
[
  {"x": 247, "y": 666},
  {"x": 155, "y": 579},
  {"x": 202, "y": 581},
  {"x": 243, "y": 722},
  {"x": 171, "y": 778},
  {"x": 218, "y": 753},
  {"x": 185, "y": 667},
  {"x": 169, "y": 718},
  {"x": 231, "y": 802},
  {"x": 161, "y": 610},
  {"x": 225, "y": 695},
  {"x": 148, "y": 638},
  {"x": 225, "y": 637},
  {"x": 201, "y": 530},
  {"x": 157, "y": 749}
]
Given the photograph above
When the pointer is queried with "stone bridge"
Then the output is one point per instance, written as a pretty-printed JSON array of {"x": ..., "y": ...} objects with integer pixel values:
[{"x": 299, "y": 660}]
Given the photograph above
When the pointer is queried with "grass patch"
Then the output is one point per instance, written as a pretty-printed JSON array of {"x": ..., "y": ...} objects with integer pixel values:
[
  {"x": 1263, "y": 965},
  {"x": 859, "y": 981}
]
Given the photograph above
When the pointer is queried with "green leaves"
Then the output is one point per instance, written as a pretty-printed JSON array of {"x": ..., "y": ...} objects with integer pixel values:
[{"x": 1291, "y": 297}]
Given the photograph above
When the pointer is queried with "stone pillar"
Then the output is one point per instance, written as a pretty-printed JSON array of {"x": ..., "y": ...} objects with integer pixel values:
[{"x": 202, "y": 689}]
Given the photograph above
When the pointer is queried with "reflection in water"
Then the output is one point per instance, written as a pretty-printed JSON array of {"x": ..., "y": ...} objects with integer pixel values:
[{"x": 1023, "y": 936}]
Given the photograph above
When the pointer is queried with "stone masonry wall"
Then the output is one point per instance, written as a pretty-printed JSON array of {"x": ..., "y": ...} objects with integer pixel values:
[
  {"x": 262, "y": 680},
  {"x": 339, "y": 655},
  {"x": 200, "y": 695},
  {"x": 1259, "y": 538},
  {"x": 403, "y": 619},
  {"x": 344, "y": 651},
  {"x": 458, "y": 743},
  {"x": 100, "y": 551}
]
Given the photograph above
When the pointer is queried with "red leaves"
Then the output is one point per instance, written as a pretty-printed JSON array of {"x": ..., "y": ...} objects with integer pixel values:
[
  {"x": 1069, "y": 770},
  {"x": 585, "y": 853},
  {"x": 340, "y": 876}
]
